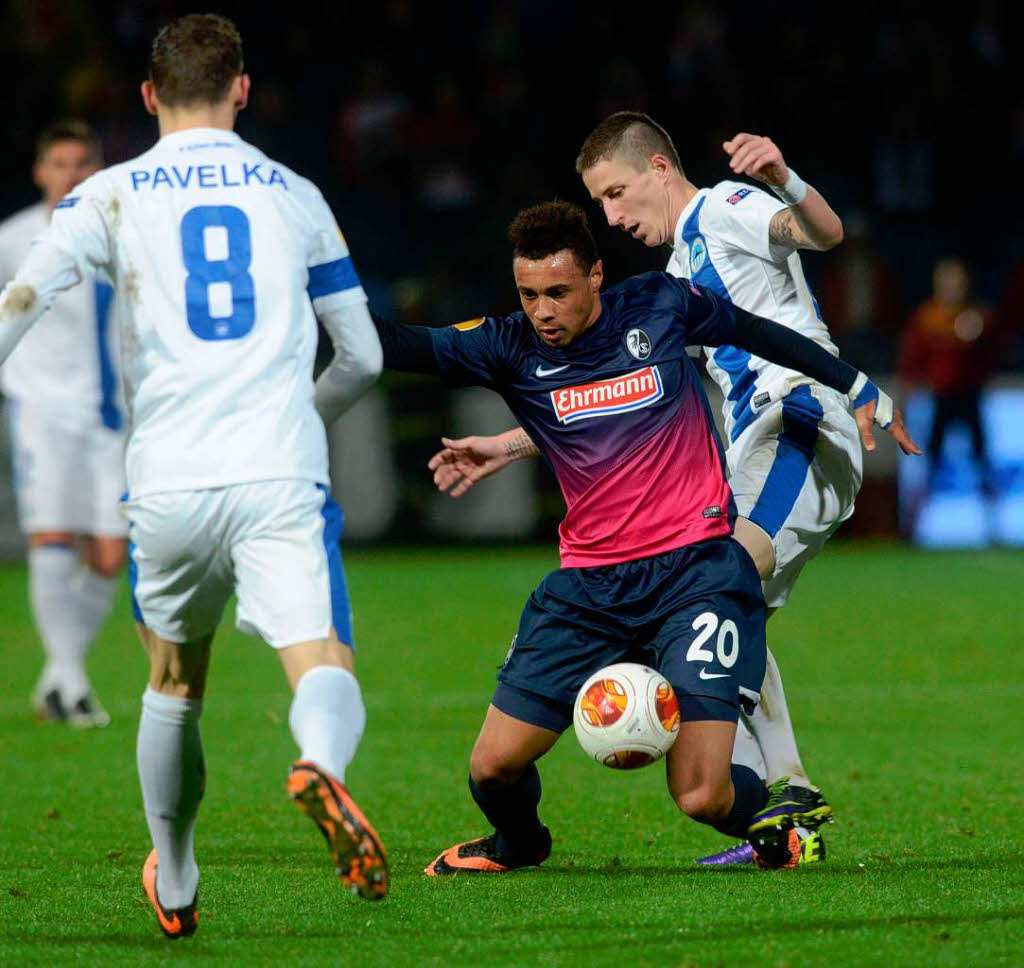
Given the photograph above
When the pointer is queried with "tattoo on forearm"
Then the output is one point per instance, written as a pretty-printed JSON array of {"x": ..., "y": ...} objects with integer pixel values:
[
  {"x": 520, "y": 446},
  {"x": 782, "y": 228}
]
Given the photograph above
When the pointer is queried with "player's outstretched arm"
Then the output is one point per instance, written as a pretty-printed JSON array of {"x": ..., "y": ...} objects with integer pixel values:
[
  {"x": 357, "y": 361},
  {"x": 784, "y": 346},
  {"x": 467, "y": 460},
  {"x": 406, "y": 348},
  {"x": 713, "y": 322},
  {"x": 808, "y": 222},
  {"x": 45, "y": 272}
]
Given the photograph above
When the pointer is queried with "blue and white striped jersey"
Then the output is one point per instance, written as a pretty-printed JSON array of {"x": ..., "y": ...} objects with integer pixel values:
[
  {"x": 721, "y": 242},
  {"x": 219, "y": 255}
]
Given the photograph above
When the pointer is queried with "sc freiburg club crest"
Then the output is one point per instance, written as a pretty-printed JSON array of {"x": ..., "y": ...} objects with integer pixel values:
[{"x": 638, "y": 344}]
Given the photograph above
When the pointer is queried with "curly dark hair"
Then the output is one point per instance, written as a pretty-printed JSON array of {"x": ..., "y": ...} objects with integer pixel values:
[
  {"x": 194, "y": 59},
  {"x": 550, "y": 227}
]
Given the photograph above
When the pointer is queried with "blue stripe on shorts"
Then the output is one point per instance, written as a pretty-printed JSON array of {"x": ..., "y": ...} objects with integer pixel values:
[
  {"x": 341, "y": 609},
  {"x": 801, "y": 415},
  {"x": 133, "y": 573}
]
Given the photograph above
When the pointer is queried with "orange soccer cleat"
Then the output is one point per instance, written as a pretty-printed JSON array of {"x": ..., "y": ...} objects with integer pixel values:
[
  {"x": 358, "y": 855},
  {"x": 175, "y": 922},
  {"x": 481, "y": 856}
]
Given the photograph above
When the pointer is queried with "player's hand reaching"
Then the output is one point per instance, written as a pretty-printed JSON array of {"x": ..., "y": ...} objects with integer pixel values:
[
  {"x": 465, "y": 461},
  {"x": 758, "y": 157},
  {"x": 871, "y": 406}
]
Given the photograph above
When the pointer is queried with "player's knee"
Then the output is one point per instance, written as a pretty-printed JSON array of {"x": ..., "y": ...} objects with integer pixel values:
[
  {"x": 491, "y": 768},
  {"x": 108, "y": 567},
  {"x": 106, "y": 558},
  {"x": 705, "y": 803}
]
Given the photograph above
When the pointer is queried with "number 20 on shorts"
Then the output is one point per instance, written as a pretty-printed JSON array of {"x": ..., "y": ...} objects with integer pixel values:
[{"x": 727, "y": 643}]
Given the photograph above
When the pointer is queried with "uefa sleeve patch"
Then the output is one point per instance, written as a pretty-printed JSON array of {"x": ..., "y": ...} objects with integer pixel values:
[
  {"x": 738, "y": 196},
  {"x": 69, "y": 201},
  {"x": 469, "y": 324}
]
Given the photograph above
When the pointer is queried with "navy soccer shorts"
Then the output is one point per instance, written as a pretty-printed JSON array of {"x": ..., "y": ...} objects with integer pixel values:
[{"x": 696, "y": 614}]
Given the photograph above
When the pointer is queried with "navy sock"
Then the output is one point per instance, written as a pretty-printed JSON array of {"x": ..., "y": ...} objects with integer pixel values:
[
  {"x": 512, "y": 810},
  {"x": 751, "y": 796}
]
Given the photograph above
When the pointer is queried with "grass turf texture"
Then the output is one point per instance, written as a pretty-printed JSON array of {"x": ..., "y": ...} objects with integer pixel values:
[{"x": 904, "y": 672}]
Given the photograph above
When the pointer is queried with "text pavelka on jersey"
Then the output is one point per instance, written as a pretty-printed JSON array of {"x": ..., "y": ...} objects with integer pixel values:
[{"x": 207, "y": 176}]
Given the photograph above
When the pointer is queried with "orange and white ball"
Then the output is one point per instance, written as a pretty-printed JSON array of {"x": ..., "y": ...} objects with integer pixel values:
[{"x": 626, "y": 716}]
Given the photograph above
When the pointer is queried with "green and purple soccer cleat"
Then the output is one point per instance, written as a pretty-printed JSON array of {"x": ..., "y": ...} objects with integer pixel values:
[
  {"x": 788, "y": 806},
  {"x": 811, "y": 851}
]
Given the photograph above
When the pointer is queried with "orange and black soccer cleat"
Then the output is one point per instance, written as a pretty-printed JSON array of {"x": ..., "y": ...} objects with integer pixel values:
[
  {"x": 175, "y": 922},
  {"x": 358, "y": 855},
  {"x": 772, "y": 858},
  {"x": 481, "y": 856}
]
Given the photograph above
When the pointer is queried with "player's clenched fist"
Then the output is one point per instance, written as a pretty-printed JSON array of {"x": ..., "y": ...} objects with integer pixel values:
[{"x": 758, "y": 157}]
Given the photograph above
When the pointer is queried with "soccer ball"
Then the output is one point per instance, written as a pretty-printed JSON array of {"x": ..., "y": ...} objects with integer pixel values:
[{"x": 626, "y": 716}]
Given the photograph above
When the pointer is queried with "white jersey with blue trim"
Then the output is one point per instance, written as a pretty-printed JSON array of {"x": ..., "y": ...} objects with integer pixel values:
[
  {"x": 220, "y": 256},
  {"x": 721, "y": 241},
  {"x": 66, "y": 365}
]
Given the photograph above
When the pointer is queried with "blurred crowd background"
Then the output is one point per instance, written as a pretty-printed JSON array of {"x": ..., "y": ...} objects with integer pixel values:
[{"x": 428, "y": 125}]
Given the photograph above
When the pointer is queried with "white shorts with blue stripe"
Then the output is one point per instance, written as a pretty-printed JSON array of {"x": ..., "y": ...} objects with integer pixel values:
[
  {"x": 273, "y": 543},
  {"x": 795, "y": 472},
  {"x": 68, "y": 475}
]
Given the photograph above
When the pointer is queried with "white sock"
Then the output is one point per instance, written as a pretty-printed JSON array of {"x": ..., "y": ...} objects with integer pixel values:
[
  {"x": 327, "y": 718},
  {"x": 51, "y": 574},
  {"x": 173, "y": 777},
  {"x": 93, "y": 596},
  {"x": 773, "y": 729},
  {"x": 745, "y": 751}
]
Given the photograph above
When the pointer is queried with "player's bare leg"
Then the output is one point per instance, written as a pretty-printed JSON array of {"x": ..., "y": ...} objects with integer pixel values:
[
  {"x": 709, "y": 788},
  {"x": 104, "y": 555},
  {"x": 72, "y": 584},
  {"x": 172, "y": 773},
  {"x": 704, "y": 782},
  {"x": 505, "y": 785},
  {"x": 758, "y": 545},
  {"x": 327, "y": 718}
]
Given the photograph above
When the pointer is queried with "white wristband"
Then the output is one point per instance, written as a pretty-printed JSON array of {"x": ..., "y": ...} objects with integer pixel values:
[{"x": 793, "y": 191}]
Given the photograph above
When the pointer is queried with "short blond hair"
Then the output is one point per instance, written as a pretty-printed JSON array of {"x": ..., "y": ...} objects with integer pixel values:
[{"x": 630, "y": 134}]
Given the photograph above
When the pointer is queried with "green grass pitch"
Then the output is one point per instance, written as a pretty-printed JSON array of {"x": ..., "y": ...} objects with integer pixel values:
[{"x": 905, "y": 674}]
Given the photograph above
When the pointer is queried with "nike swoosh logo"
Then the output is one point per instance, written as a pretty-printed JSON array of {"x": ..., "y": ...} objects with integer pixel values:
[
  {"x": 542, "y": 371},
  {"x": 704, "y": 674}
]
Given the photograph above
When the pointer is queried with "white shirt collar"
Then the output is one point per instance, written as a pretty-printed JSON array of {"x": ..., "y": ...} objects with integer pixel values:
[{"x": 187, "y": 135}]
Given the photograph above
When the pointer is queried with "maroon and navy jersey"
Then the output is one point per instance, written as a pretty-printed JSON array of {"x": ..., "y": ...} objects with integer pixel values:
[{"x": 620, "y": 414}]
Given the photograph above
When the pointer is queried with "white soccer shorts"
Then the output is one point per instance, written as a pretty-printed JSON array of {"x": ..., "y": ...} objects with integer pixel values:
[
  {"x": 795, "y": 472},
  {"x": 66, "y": 477},
  {"x": 273, "y": 543}
]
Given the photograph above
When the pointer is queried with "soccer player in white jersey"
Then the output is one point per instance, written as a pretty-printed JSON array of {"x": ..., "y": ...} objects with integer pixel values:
[
  {"x": 66, "y": 427},
  {"x": 222, "y": 256},
  {"x": 793, "y": 454}
]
